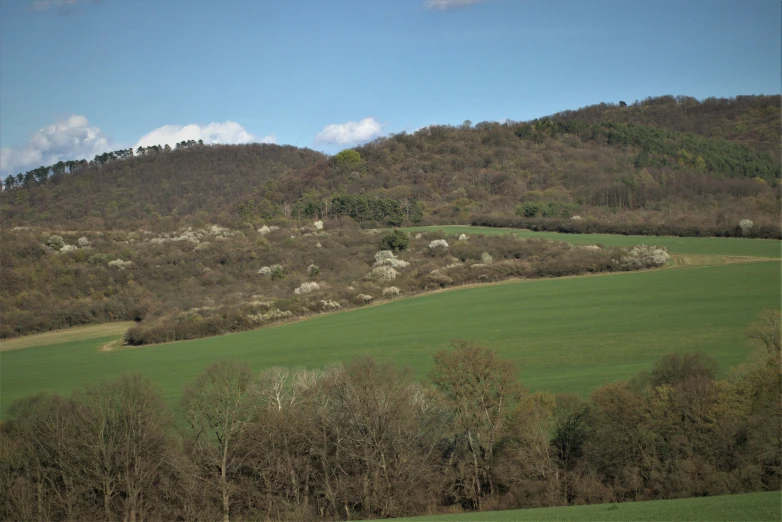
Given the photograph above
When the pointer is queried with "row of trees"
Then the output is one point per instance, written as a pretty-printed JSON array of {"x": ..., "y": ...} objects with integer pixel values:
[
  {"x": 42, "y": 174},
  {"x": 367, "y": 441}
]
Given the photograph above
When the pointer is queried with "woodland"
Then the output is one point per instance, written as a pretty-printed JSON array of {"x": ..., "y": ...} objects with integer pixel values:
[
  {"x": 666, "y": 164},
  {"x": 366, "y": 441}
]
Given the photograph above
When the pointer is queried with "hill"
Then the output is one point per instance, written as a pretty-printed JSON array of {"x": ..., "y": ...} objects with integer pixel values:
[{"x": 663, "y": 160}]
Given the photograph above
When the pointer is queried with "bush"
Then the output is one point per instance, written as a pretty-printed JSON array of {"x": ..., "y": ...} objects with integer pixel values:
[{"x": 396, "y": 241}]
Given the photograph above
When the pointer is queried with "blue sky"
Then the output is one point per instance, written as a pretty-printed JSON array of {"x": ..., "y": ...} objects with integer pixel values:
[{"x": 78, "y": 77}]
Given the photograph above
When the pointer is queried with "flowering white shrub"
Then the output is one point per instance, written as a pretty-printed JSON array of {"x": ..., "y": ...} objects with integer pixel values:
[
  {"x": 200, "y": 247},
  {"x": 307, "y": 287},
  {"x": 486, "y": 258},
  {"x": 382, "y": 255},
  {"x": 318, "y": 224},
  {"x": 589, "y": 247},
  {"x": 271, "y": 270},
  {"x": 83, "y": 241},
  {"x": 264, "y": 230},
  {"x": 318, "y": 245},
  {"x": 397, "y": 263},
  {"x": 271, "y": 315},
  {"x": 68, "y": 248},
  {"x": 462, "y": 237},
  {"x": 478, "y": 265},
  {"x": 418, "y": 236},
  {"x": 187, "y": 235},
  {"x": 576, "y": 218},
  {"x": 218, "y": 230},
  {"x": 390, "y": 292},
  {"x": 386, "y": 257},
  {"x": 438, "y": 243},
  {"x": 383, "y": 273},
  {"x": 746, "y": 226},
  {"x": 643, "y": 256},
  {"x": 329, "y": 305},
  {"x": 364, "y": 298},
  {"x": 122, "y": 265}
]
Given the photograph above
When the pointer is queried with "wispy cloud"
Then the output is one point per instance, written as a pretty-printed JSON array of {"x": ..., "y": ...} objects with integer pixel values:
[
  {"x": 213, "y": 133},
  {"x": 449, "y": 5},
  {"x": 67, "y": 139},
  {"x": 60, "y": 7},
  {"x": 350, "y": 132}
]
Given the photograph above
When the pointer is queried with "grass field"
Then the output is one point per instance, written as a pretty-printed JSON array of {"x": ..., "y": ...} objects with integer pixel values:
[
  {"x": 729, "y": 508},
  {"x": 566, "y": 335},
  {"x": 81, "y": 333},
  {"x": 677, "y": 245}
]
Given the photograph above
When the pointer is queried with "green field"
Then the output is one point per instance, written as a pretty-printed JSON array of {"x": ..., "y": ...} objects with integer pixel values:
[
  {"x": 729, "y": 508},
  {"x": 566, "y": 335},
  {"x": 722, "y": 246}
]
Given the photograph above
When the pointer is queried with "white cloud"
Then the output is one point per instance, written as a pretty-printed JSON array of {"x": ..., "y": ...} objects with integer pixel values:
[
  {"x": 350, "y": 132},
  {"x": 449, "y": 5},
  {"x": 226, "y": 132},
  {"x": 61, "y": 7},
  {"x": 68, "y": 139}
]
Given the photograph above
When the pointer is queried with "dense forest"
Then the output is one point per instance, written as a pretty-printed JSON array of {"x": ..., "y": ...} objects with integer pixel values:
[
  {"x": 365, "y": 441},
  {"x": 669, "y": 163}
]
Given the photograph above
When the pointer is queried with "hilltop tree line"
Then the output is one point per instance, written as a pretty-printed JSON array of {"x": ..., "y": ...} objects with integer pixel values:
[
  {"x": 366, "y": 441},
  {"x": 43, "y": 174}
]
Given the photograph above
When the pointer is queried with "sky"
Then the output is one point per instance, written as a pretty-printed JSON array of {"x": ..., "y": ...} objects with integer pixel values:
[{"x": 82, "y": 77}]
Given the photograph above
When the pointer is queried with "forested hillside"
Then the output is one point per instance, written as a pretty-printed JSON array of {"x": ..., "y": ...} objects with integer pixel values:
[{"x": 662, "y": 162}]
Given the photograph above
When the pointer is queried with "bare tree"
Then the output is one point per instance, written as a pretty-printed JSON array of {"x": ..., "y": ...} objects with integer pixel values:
[{"x": 218, "y": 406}]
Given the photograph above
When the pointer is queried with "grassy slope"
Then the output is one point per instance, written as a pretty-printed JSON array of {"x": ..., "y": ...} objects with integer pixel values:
[
  {"x": 567, "y": 335},
  {"x": 722, "y": 246},
  {"x": 728, "y": 508},
  {"x": 80, "y": 333}
]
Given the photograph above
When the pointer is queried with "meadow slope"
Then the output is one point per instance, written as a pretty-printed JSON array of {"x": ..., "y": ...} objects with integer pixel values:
[
  {"x": 566, "y": 335},
  {"x": 716, "y": 246},
  {"x": 728, "y": 508}
]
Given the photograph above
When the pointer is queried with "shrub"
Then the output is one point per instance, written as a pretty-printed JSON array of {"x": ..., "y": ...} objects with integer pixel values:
[
  {"x": 438, "y": 243},
  {"x": 55, "y": 242},
  {"x": 122, "y": 265},
  {"x": 307, "y": 287},
  {"x": 396, "y": 241},
  {"x": 390, "y": 292},
  {"x": 313, "y": 270},
  {"x": 275, "y": 271},
  {"x": 486, "y": 258},
  {"x": 383, "y": 255},
  {"x": 329, "y": 305},
  {"x": 643, "y": 256},
  {"x": 745, "y": 225},
  {"x": 363, "y": 298},
  {"x": 382, "y": 273}
]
